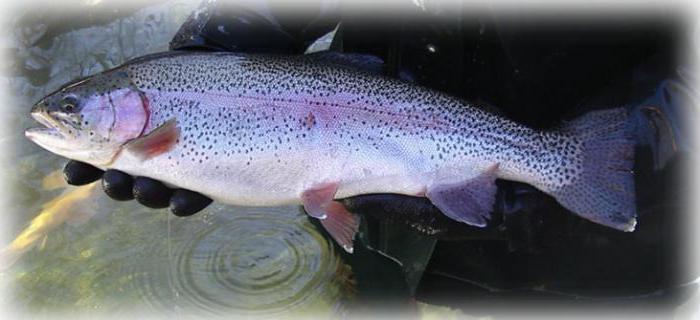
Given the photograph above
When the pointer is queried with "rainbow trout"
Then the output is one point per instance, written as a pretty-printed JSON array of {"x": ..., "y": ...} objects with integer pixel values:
[{"x": 266, "y": 130}]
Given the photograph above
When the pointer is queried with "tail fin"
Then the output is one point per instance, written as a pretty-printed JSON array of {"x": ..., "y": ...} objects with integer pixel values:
[{"x": 604, "y": 191}]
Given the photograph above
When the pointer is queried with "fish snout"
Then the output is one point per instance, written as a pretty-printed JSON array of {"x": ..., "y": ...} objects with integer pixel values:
[
  {"x": 49, "y": 129},
  {"x": 40, "y": 113},
  {"x": 39, "y": 108}
]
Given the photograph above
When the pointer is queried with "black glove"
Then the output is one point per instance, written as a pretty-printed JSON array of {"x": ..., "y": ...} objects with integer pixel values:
[{"x": 122, "y": 187}]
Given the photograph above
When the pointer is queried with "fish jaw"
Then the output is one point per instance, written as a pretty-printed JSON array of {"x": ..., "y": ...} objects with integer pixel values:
[
  {"x": 55, "y": 142},
  {"x": 57, "y": 138},
  {"x": 52, "y": 136}
]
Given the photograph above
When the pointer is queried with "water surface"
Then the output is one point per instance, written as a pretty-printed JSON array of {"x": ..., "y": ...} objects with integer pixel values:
[{"x": 95, "y": 254}]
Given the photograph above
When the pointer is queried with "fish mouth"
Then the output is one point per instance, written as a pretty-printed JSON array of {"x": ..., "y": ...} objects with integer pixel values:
[
  {"x": 51, "y": 136},
  {"x": 49, "y": 124}
]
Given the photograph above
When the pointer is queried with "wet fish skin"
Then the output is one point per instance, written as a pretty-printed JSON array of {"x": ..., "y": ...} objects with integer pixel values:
[
  {"x": 261, "y": 130},
  {"x": 285, "y": 114}
]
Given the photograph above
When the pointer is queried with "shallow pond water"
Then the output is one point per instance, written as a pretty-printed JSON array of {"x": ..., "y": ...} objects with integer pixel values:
[{"x": 84, "y": 252}]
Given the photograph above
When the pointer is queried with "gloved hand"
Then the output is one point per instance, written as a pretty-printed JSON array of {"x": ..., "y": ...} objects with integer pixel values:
[{"x": 151, "y": 193}]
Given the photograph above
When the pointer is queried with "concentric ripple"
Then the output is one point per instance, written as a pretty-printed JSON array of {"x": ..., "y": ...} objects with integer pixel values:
[{"x": 247, "y": 261}]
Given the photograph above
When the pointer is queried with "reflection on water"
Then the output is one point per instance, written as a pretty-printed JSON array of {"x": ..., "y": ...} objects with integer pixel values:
[{"x": 123, "y": 258}]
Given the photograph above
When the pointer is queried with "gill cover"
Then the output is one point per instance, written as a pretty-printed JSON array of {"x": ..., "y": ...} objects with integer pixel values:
[{"x": 90, "y": 120}]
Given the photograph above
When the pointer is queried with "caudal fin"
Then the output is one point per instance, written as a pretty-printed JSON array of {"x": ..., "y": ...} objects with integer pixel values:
[{"x": 604, "y": 191}]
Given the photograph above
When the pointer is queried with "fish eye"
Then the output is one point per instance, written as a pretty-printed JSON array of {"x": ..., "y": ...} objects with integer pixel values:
[{"x": 69, "y": 103}]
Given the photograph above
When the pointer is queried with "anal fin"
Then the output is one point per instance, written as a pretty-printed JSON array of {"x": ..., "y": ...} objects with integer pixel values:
[
  {"x": 340, "y": 223},
  {"x": 469, "y": 201}
]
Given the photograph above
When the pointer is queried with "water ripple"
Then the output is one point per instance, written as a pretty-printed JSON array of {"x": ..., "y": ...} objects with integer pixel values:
[{"x": 247, "y": 261}]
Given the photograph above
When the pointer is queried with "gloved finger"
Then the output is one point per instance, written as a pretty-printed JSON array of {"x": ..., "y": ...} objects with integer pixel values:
[
  {"x": 80, "y": 173},
  {"x": 186, "y": 203},
  {"x": 118, "y": 185},
  {"x": 151, "y": 193}
]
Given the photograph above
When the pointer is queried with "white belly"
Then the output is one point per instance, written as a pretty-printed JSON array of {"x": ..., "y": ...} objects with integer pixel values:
[{"x": 271, "y": 183}]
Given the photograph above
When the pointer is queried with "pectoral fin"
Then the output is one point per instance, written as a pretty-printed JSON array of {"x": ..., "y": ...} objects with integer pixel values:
[
  {"x": 158, "y": 141},
  {"x": 469, "y": 201},
  {"x": 340, "y": 223}
]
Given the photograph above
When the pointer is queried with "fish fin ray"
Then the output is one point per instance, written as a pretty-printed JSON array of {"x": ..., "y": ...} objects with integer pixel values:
[
  {"x": 469, "y": 201},
  {"x": 317, "y": 197},
  {"x": 340, "y": 223},
  {"x": 604, "y": 192},
  {"x": 157, "y": 142}
]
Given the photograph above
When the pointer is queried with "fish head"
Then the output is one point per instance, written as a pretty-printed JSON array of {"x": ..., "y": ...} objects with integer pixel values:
[{"x": 91, "y": 119}]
